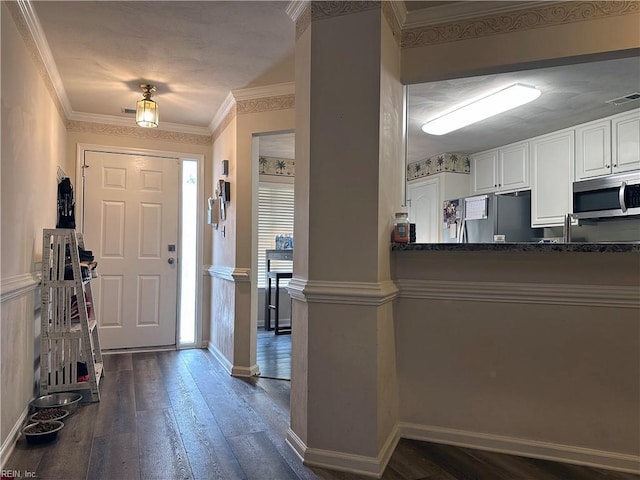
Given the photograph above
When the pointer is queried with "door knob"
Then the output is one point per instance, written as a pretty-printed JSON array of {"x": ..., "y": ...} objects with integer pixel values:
[{"x": 171, "y": 260}]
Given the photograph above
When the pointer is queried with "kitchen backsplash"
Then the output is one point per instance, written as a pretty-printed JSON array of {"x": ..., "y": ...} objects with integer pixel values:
[{"x": 625, "y": 229}]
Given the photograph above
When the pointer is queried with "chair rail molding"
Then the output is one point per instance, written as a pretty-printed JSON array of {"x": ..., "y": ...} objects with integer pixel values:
[
  {"x": 18, "y": 285},
  {"x": 350, "y": 293},
  {"x": 231, "y": 274}
]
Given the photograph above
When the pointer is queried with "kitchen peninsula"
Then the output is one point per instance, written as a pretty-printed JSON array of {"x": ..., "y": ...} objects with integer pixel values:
[{"x": 527, "y": 348}]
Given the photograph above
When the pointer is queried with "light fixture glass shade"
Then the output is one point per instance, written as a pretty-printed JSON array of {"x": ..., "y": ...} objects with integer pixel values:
[
  {"x": 482, "y": 108},
  {"x": 147, "y": 113}
]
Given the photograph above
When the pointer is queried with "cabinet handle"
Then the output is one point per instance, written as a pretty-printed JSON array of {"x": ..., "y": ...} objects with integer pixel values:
[{"x": 606, "y": 166}]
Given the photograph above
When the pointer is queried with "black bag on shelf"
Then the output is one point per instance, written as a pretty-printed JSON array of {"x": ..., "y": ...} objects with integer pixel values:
[{"x": 66, "y": 205}]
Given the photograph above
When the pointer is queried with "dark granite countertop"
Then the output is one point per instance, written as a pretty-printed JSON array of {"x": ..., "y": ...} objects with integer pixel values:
[{"x": 519, "y": 247}]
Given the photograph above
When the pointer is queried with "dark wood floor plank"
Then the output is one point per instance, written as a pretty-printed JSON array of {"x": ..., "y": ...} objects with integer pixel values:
[
  {"x": 408, "y": 462},
  {"x": 174, "y": 415},
  {"x": 117, "y": 407},
  {"x": 259, "y": 458},
  {"x": 459, "y": 464},
  {"x": 68, "y": 457},
  {"x": 274, "y": 355},
  {"x": 114, "y": 456},
  {"x": 162, "y": 453},
  {"x": 234, "y": 415},
  {"x": 117, "y": 362},
  {"x": 207, "y": 449},
  {"x": 276, "y": 420},
  {"x": 149, "y": 384}
]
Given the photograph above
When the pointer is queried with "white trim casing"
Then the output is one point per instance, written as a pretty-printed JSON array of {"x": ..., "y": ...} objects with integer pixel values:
[
  {"x": 226, "y": 364},
  {"x": 130, "y": 121},
  {"x": 370, "y": 466},
  {"x": 18, "y": 285},
  {"x": 225, "y": 108},
  {"x": 40, "y": 39},
  {"x": 10, "y": 442},
  {"x": 231, "y": 369},
  {"x": 297, "y": 7},
  {"x": 526, "y": 293},
  {"x": 254, "y": 93},
  {"x": 522, "y": 447},
  {"x": 351, "y": 293}
]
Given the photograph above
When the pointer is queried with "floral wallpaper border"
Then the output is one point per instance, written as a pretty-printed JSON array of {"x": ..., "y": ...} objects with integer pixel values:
[
  {"x": 279, "y": 167},
  {"x": 444, "y": 162},
  {"x": 537, "y": 16}
]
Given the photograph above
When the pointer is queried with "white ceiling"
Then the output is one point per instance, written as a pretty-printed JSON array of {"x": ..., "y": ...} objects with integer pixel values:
[
  {"x": 571, "y": 95},
  {"x": 197, "y": 52}
]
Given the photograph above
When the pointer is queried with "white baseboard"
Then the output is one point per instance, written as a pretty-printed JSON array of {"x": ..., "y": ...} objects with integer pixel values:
[
  {"x": 522, "y": 447},
  {"x": 251, "y": 371},
  {"x": 345, "y": 462},
  {"x": 10, "y": 442},
  {"x": 232, "y": 369},
  {"x": 226, "y": 364}
]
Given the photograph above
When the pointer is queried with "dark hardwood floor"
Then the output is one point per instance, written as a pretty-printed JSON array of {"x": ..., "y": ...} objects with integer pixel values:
[
  {"x": 274, "y": 355},
  {"x": 179, "y": 415}
]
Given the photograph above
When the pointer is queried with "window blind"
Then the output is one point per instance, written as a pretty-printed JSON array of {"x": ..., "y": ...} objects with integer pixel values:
[{"x": 275, "y": 217}]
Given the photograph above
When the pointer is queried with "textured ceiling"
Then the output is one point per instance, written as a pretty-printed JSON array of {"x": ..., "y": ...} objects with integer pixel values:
[
  {"x": 571, "y": 95},
  {"x": 196, "y": 52}
]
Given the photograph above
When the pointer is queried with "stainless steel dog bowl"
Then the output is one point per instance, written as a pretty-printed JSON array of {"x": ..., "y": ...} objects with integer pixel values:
[
  {"x": 42, "y": 432},
  {"x": 49, "y": 415},
  {"x": 68, "y": 400}
]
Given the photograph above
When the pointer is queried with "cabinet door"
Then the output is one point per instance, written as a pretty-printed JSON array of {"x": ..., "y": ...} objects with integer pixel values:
[
  {"x": 513, "y": 170},
  {"x": 593, "y": 150},
  {"x": 424, "y": 209},
  {"x": 626, "y": 142},
  {"x": 552, "y": 159},
  {"x": 484, "y": 178}
]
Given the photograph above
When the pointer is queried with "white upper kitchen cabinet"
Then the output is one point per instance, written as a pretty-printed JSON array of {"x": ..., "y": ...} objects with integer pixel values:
[
  {"x": 552, "y": 161},
  {"x": 610, "y": 145},
  {"x": 513, "y": 169},
  {"x": 484, "y": 172},
  {"x": 593, "y": 149},
  {"x": 502, "y": 170},
  {"x": 625, "y": 133}
]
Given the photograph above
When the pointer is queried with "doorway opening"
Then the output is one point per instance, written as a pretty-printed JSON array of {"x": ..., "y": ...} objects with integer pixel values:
[{"x": 275, "y": 170}]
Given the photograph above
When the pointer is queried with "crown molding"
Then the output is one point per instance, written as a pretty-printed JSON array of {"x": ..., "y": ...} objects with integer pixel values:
[
  {"x": 399, "y": 10},
  {"x": 458, "y": 11},
  {"x": 296, "y": 8},
  {"x": 130, "y": 122},
  {"x": 137, "y": 132},
  {"x": 37, "y": 34},
  {"x": 223, "y": 111},
  {"x": 255, "y": 93}
]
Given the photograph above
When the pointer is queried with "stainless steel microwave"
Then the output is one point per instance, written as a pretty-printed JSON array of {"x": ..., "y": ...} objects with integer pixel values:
[{"x": 610, "y": 196}]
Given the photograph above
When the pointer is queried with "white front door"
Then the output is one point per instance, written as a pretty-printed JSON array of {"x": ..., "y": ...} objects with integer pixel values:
[{"x": 131, "y": 226}]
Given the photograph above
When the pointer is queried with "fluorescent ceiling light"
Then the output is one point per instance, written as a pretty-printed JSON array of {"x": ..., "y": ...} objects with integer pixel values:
[{"x": 484, "y": 107}]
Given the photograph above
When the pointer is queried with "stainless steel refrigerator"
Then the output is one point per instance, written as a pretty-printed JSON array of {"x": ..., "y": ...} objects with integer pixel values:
[{"x": 489, "y": 219}]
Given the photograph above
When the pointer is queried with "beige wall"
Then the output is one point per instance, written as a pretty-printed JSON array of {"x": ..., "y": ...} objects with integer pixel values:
[
  {"x": 234, "y": 325},
  {"x": 33, "y": 146},
  {"x": 522, "y": 48},
  {"x": 516, "y": 364}
]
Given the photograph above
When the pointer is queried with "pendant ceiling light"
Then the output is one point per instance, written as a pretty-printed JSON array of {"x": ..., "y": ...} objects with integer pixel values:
[
  {"x": 147, "y": 109},
  {"x": 481, "y": 108}
]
